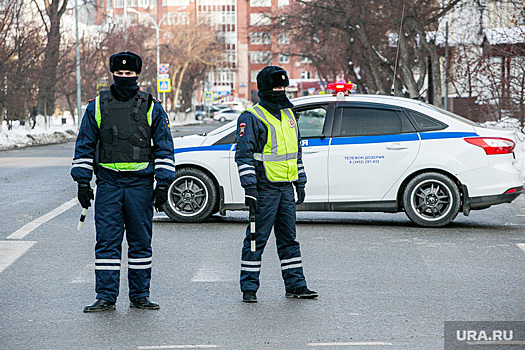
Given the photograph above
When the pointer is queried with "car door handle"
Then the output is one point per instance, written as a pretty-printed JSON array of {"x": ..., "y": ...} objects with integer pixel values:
[
  {"x": 310, "y": 150},
  {"x": 395, "y": 146}
]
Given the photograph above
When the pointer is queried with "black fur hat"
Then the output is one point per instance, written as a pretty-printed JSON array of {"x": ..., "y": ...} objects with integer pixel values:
[
  {"x": 126, "y": 60},
  {"x": 270, "y": 77}
]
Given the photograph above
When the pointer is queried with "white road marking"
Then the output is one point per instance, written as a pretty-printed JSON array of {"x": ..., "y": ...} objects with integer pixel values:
[
  {"x": 521, "y": 246},
  {"x": 177, "y": 347},
  {"x": 85, "y": 275},
  {"x": 10, "y": 251},
  {"x": 212, "y": 273},
  {"x": 370, "y": 343},
  {"x": 26, "y": 229}
]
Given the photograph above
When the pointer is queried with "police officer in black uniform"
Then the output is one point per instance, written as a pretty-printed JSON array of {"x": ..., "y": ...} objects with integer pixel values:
[{"x": 124, "y": 134}]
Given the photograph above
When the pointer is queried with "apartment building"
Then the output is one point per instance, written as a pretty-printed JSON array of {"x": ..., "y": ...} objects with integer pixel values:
[{"x": 240, "y": 25}]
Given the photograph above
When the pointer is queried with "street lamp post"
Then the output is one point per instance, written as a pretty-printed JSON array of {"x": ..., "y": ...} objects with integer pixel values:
[{"x": 157, "y": 30}]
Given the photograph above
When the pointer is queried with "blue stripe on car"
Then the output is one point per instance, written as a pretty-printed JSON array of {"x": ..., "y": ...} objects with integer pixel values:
[
  {"x": 354, "y": 140},
  {"x": 204, "y": 148},
  {"x": 374, "y": 139},
  {"x": 445, "y": 135}
]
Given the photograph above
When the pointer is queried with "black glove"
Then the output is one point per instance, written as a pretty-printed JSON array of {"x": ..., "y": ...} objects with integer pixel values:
[
  {"x": 161, "y": 196},
  {"x": 85, "y": 195},
  {"x": 301, "y": 194},
  {"x": 250, "y": 198}
]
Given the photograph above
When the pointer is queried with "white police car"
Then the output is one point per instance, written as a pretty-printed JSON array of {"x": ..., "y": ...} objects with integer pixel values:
[{"x": 362, "y": 153}]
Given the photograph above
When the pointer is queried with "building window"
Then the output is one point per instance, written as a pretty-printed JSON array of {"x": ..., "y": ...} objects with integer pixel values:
[
  {"x": 260, "y": 38},
  {"x": 119, "y": 3},
  {"x": 260, "y": 19},
  {"x": 254, "y": 76},
  {"x": 143, "y": 3},
  {"x": 305, "y": 75},
  {"x": 283, "y": 58},
  {"x": 260, "y": 57},
  {"x": 177, "y": 19},
  {"x": 175, "y": 2},
  {"x": 282, "y": 3},
  {"x": 284, "y": 38},
  {"x": 132, "y": 3},
  {"x": 306, "y": 60},
  {"x": 260, "y": 3}
]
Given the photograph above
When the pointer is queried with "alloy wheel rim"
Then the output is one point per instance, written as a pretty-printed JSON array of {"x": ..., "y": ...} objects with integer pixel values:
[{"x": 431, "y": 200}]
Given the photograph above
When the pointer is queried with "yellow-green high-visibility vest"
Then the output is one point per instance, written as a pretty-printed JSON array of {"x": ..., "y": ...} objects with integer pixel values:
[
  {"x": 123, "y": 166},
  {"x": 279, "y": 155}
]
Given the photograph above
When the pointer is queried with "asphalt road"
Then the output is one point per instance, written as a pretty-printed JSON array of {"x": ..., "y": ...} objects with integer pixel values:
[{"x": 383, "y": 282}]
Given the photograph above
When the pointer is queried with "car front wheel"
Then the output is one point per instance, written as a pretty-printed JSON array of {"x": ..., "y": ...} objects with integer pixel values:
[
  {"x": 192, "y": 197},
  {"x": 431, "y": 200}
]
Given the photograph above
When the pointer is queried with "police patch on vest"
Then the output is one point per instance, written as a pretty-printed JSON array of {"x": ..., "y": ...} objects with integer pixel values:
[
  {"x": 168, "y": 122},
  {"x": 242, "y": 129},
  {"x": 291, "y": 122}
]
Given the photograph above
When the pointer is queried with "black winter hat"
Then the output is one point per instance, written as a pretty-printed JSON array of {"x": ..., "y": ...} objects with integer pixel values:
[
  {"x": 126, "y": 60},
  {"x": 270, "y": 77}
]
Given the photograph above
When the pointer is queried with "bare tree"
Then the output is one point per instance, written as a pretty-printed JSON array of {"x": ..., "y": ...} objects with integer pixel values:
[
  {"x": 359, "y": 39},
  {"x": 50, "y": 12},
  {"x": 190, "y": 50}
]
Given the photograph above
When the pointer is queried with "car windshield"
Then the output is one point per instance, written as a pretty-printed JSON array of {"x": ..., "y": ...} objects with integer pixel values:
[
  {"x": 450, "y": 114},
  {"x": 230, "y": 125}
]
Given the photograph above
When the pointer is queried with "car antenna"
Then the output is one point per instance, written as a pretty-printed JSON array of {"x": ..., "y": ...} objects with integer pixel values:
[{"x": 397, "y": 54}]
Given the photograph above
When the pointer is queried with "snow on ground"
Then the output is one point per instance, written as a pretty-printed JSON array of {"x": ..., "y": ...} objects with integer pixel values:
[{"x": 22, "y": 136}]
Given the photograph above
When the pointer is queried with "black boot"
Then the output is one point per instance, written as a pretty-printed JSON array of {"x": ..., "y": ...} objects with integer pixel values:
[
  {"x": 301, "y": 293},
  {"x": 100, "y": 305},
  {"x": 249, "y": 296},
  {"x": 144, "y": 303}
]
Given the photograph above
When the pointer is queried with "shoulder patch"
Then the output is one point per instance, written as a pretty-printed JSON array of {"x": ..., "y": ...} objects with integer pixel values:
[{"x": 242, "y": 129}]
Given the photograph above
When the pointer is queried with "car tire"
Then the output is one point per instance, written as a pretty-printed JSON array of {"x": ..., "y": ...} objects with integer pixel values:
[
  {"x": 431, "y": 200},
  {"x": 222, "y": 120},
  {"x": 192, "y": 197}
]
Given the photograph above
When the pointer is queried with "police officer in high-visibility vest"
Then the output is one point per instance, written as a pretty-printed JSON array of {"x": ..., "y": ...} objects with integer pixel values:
[
  {"x": 125, "y": 134},
  {"x": 268, "y": 157}
]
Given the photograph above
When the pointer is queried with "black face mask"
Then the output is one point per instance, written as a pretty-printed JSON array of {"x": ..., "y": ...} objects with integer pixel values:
[
  {"x": 276, "y": 96},
  {"x": 126, "y": 87}
]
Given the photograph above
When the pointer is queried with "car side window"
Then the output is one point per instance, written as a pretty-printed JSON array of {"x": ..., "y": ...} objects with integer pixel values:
[
  {"x": 424, "y": 122},
  {"x": 311, "y": 121},
  {"x": 359, "y": 121},
  {"x": 229, "y": 139}
]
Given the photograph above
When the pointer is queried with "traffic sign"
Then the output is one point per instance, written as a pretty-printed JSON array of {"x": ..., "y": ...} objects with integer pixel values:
[
  {"x": 208, "y": 95},
  {"x": 163, "y": 76},
  {"x": 163, "y": 68},
  {"x": 163, "y": 85}
]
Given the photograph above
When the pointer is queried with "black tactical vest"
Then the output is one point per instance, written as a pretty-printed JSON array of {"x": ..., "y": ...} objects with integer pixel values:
[{"x": 125, "y": 135}]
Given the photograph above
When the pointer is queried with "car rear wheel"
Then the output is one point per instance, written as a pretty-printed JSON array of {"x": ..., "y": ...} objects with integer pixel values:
[
  {"x": 222, "y": 120},
  {"x": 192, "y": 197},
  {"x": 431, "y": 200}
]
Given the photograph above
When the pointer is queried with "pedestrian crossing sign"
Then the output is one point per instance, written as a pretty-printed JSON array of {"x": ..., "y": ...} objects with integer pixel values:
[
  {"x": 163, "y": 85},
  {"x": 208, "y": 96}
]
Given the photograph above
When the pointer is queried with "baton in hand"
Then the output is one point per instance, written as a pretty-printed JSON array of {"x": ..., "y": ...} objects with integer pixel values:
[
  {"x": 252, "y": 231},
  {"x": 82, "y": 218}
]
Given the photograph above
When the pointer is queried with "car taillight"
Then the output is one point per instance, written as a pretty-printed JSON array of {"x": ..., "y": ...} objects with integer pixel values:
[{"x": 492, "y": 145}]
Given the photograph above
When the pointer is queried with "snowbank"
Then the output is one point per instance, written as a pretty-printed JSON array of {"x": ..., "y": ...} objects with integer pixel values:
[{"x": 23, "y": 136}]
